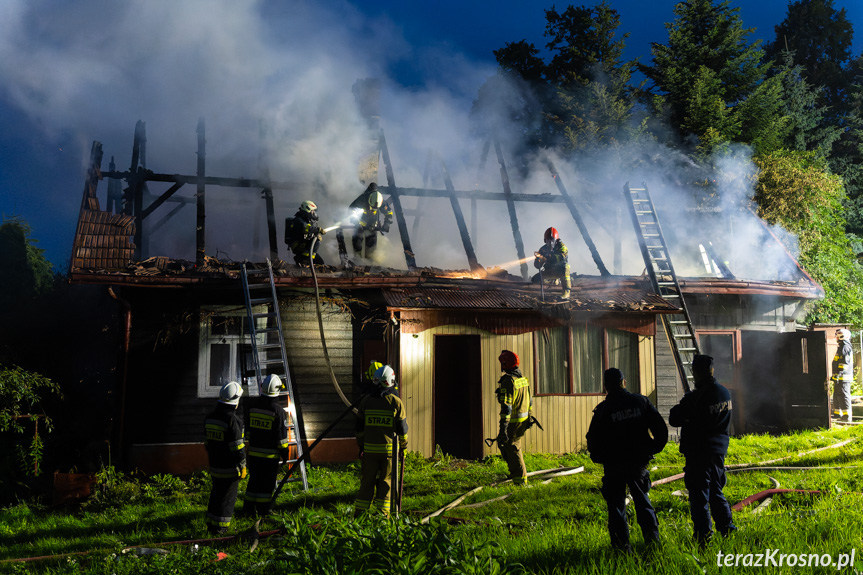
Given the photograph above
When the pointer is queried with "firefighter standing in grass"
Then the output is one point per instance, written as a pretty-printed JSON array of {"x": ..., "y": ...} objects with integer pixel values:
[
  {"x": 367, "y": 211},
  {"x": 513, "y": 394},
  {"x": 267, "y": 431},
  {"x": 624, "y": 434},
  {"x": 552, "y": 261},
  {"x": 380, "y": 415},
  {"x": 301, "y": 230},
  {"x": 842, "y": 374},
  {"x": 223, "y": 439},
  {"x": 703, "y": 416}
]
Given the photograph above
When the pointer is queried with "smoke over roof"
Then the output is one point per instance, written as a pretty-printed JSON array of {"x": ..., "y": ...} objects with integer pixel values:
[{"x": 274, "y": 80}]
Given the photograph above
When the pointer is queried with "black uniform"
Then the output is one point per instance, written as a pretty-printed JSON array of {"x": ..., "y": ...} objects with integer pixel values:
[
  {"x": 224, "y": 443},
  {"x": 703, "y": 416},
  {"x": 842, "y": 374},
  {"x": 620, "y": 439},
  {"x": 267, "y": 429},
  {"x": 369, "y": 222},
  {"x": 299, "y": 233}
]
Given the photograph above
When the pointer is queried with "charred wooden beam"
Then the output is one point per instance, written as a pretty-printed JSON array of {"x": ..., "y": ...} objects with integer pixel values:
[
  {"x": 155, "y": 227},
  {"x": 136, "y": 187},
  {"x": 201, "y": 236},
  {"x": 397, "y": 204},
  {"x": 573, "y": 210},
  {"x": 161, "y": 200},
  {"x": 510, "y": 206},
  {"x": 209, "y": 180},
  {"x": 267, "y": 194},
  {"x": 479, "y": 195},
  {"x": 459, "y": 218}
]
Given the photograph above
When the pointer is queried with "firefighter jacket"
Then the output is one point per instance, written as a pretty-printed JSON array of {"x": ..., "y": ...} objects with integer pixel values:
[
  {"x": 369, "y": 218},
  {"x": 554, "y": 259},
  {"x": 703, "y": 416},
  {"x": 843, "y": 364},
  {"x": 223, "y": 439},
  {"x": 267, "y": 428},
  {"x": 299, "y": 233},
  {"x": 379, "y": 416},
  {"x": 513, "y": 394},
  {"x": 626, "y": 430}
]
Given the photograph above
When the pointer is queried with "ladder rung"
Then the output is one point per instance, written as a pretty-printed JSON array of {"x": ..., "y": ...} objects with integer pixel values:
[
  {"x": 269, "y": 346},
  {"x": 264, "y": 314},
  {"x": 651, "y": 235},
  {"x": 656, "y": 259},
  {"x": 686, "y": 349},
  {"x": 268, "y": 329},
  {"x": 260, "y": 285},
  {"x": 678, "y": 322},
  {"x": 665, "y": 283},
  {"x": 683, "y": 336},
  {"x": 271, "y": 361},
  {"x": 260, "y": 300},
  {"x": 644, "y": 213},
  {"x": 637, "y": 189}
]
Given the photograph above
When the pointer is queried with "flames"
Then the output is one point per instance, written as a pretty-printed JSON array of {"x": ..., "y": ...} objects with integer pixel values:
[{"x": 483, "y": 273}]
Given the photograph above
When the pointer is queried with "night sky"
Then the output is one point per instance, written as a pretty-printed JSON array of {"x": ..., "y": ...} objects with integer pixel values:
[{"x": 74, "y": 72}]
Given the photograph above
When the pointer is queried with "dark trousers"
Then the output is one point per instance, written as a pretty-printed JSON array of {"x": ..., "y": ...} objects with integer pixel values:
[
  {"x": 375, "y": 483},
  {"x": 704, "y": 477},
  {"x": 220, "y": 508},
  {"x": 262, "y": 483},
  {"x": 614, "y": 484},
  {"x": 511, "y": 452},
  {"x": 361, "y": 235}
]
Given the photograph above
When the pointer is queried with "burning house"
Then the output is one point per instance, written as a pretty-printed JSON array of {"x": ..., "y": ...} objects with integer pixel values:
[{"x": 442, "y": 330}]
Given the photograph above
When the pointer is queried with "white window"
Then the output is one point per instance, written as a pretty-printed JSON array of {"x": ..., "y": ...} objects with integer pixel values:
[{"x": 225, "y": 350}]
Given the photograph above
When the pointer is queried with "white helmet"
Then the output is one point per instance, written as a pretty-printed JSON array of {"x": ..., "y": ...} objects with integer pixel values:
[
  {"x": 230, "y": 393},
  {"x": 843, "y": 335},
  {"x": 376, "y": 200},
  {"x": 271, "y": 386},
  {"x": 385, "y": 376},
  {"x": 308, "y": 206}
]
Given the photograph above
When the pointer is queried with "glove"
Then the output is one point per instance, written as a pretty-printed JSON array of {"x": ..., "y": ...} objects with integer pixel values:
[
  {"x": 502, "y": 436},
  {"x": 243, "y": 473},
  {"x": 320, "y": 236},
  {"x": 403, "y": 445}
]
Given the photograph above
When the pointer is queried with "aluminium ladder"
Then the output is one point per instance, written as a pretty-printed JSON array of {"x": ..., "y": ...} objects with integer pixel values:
[
  {"x": 678, "y": 326},
  {"x": 268, "y": 352}
]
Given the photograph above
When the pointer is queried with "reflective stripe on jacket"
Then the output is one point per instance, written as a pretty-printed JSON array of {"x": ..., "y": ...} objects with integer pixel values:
[
  {"x": 513, "y": 394},
  {"x": 223, "y": 440}
]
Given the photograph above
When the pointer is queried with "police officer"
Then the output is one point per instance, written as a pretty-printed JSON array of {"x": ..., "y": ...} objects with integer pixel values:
[
  {"x": 842, "y": 374},
  {"x": 624, "y": 434},
  {"x": 367, "y": 211},
  {"x": 513, "y": 394},
  {"x": 380, "y": 415},
  {"x": 552, "y": 260},
  {"x": 267, "y": 429},
  {"x": 703, "y": 416},
  {"x": 223, "y": 439},
  {"x": 301, "y": 230}
]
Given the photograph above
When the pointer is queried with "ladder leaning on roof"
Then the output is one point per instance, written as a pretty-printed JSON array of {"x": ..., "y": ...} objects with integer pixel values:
[
  {"x": 268, "y": 351},
  {"x": 678, "y": 326}
]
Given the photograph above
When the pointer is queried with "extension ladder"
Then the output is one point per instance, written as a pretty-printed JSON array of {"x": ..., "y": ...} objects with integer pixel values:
[
  {"x": 678, "y": 326},
  {"x": 268, "y": 351}
]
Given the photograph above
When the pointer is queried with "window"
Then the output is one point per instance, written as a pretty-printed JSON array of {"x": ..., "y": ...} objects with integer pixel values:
[
  {"x": 225, "y": 350},
  {"x": 623, "y": 354},
  {"x": 552, "y": 363},
  {"x": 587, "y": 358},
  {"x": 572, "y": 360}
]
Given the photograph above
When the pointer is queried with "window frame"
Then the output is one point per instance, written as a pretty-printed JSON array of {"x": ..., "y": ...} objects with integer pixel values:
[
  {"x": 206, "y": 339},
  {"x": 569, "y": 378}
]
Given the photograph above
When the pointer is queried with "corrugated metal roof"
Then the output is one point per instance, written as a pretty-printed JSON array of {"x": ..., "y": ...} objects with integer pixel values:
[{"x": 434, "y": 298}]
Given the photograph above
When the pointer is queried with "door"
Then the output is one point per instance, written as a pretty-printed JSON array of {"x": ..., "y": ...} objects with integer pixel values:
[{"x": 457, "y": 395}]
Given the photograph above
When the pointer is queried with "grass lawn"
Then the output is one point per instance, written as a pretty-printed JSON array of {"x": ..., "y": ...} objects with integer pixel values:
[{"x": 555, "y": 527}]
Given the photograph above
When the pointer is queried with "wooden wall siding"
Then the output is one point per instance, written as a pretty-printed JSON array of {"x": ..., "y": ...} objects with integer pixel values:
[
  {"x": 565, "y": 418},
  {"x": 669, "y": 389},
  {"x": 318, "y": 400},
  {"x": 741, "y": 312},
  {"x": 646, "y": 368}
]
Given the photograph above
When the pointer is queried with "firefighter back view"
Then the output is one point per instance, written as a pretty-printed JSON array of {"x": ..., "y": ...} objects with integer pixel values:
[
  {"x": 513, "y": 394},
  {"x": 223, "y": 439},
  {"x": 267, "y": 431},
  {"x": 380, "y": 415},
  {"x": 552, "y": 261},
  {"x": 301, "y": 230}
]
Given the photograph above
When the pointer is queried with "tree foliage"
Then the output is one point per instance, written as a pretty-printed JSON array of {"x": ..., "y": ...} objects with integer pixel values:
[
  {"x": 795, "y": 190},
  {"x": 25, "y": 271}
]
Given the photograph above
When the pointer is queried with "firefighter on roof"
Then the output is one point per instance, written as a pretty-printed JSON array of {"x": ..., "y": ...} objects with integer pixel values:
[
  {"x": 380, "y": 415},
  {"x": 301, "y": 230},
  {"x": 842, "y": 374},
  {"x": 624, "y": 434},
  {"x": 552, "y": 261},
  {"x": 513, "y": 394},
  {"x": 267, "y": 430},
  {"x": 223, "y": 439},
  {"x": 366, "y": 212}
]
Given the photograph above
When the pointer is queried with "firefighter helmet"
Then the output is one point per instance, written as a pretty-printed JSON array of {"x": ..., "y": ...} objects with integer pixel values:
[
  {"x": 310, "y": 208},
  {"x": 843, "y": 335},
  {"x": 230, "y": 393},
  {"x": 385, "y": 376},
  {"x": 374, "y": 366},
  {"x": 376, "y": 200},
  {"x": 373, "y": 187},
  {"x": 551, "y": 235},
  {"x": 508, "y": 360},
  {"x": 272, "y": 385}
]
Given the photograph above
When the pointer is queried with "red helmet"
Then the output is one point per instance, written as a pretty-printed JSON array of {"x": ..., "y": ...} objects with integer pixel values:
[
  {"x": 551, "y": 234},
  {"x": 508, "y": 360}
]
